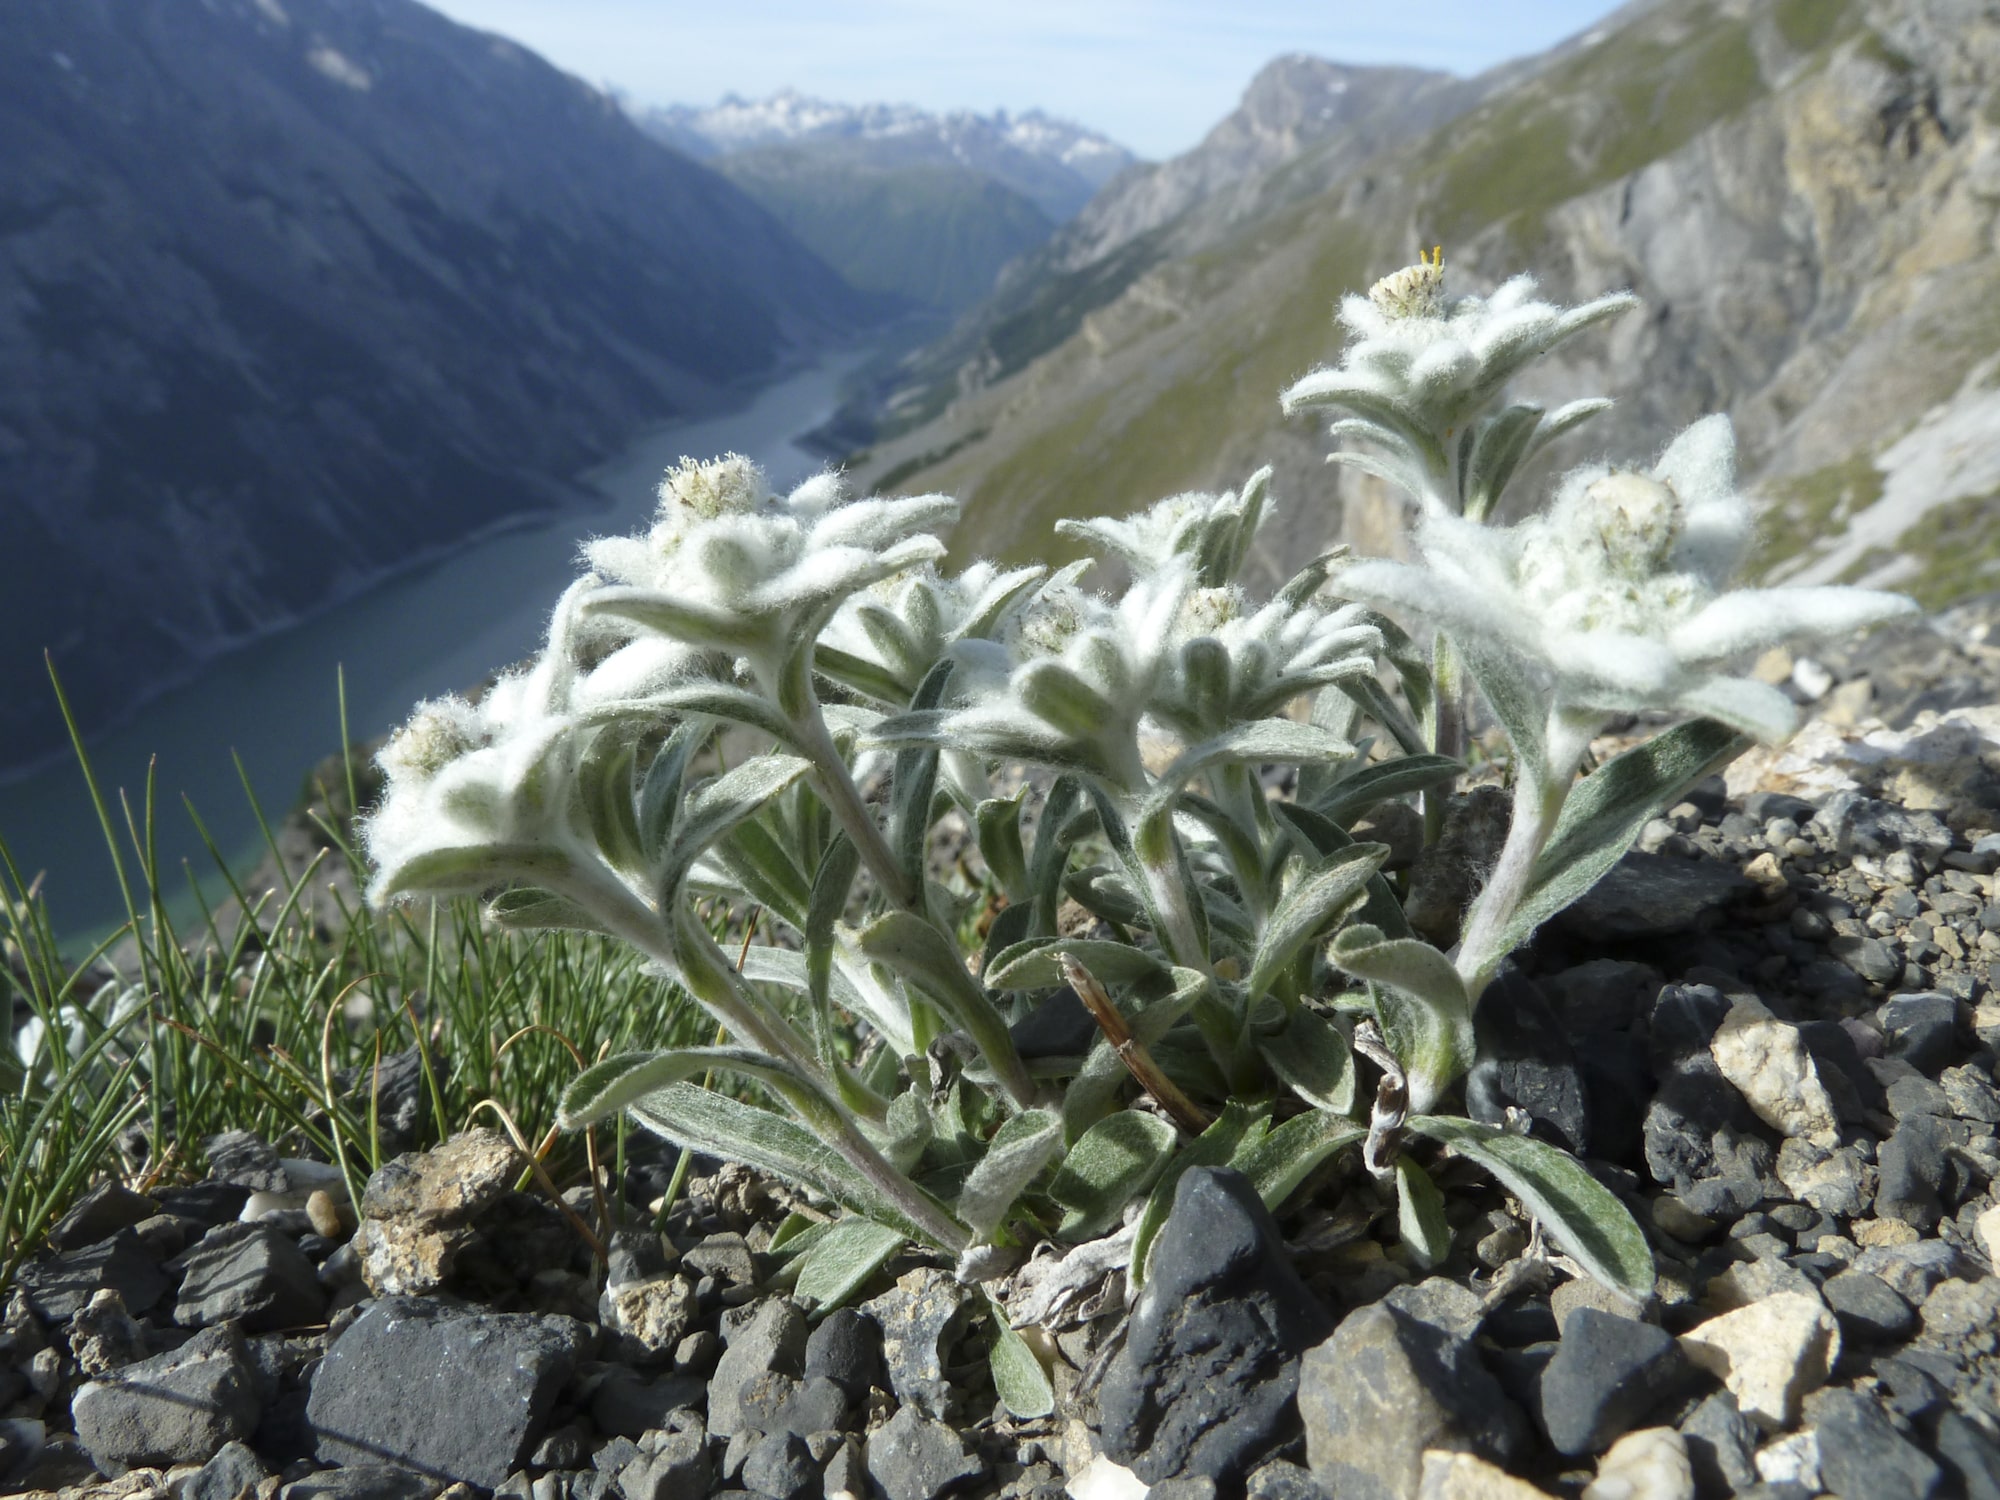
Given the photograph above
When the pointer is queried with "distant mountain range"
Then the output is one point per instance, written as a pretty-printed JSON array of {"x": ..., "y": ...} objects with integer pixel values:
[
  {"x": 922, "y": 206},
  {"x": 295, "y": 291},
  {"x": 1802, "y": 192}
]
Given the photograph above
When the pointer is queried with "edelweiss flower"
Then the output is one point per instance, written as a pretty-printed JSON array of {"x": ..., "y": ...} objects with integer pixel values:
[
  {"x": 1615, "y": 596},
  {"x": 1211, "y": 531},
  {"x": 467, "y": 779},
  {"x": 884, "y": 641},
  {"x": 1249, "y": 667},
  {"x": 730, "y": 567}
]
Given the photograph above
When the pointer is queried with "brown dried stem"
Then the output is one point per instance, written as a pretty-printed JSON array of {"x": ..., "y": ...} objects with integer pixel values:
[{"x": 1131, "y": 1051}]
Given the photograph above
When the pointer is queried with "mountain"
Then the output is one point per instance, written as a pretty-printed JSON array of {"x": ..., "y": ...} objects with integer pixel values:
[
  {"x": 921, "y": 206},
  {"x": 1805, "y": 193},
  {"x": 294, "y": 292}
]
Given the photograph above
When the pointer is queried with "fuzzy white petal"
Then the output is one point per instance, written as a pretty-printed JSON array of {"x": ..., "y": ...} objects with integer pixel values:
[
  {"x": 1753, "y": 618},
  {"x": 1701, "y": 463}
]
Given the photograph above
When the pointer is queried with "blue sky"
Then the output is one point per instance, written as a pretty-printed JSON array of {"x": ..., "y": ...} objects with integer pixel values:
[{"x": 1153, "y": 74}]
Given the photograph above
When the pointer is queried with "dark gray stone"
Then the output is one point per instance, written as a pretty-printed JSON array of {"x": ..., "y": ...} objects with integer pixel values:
[
  {"x": 249, "y": 1274},
  {"x": 1617, "y": 1085},
  {"x": 1722, "y": 1446},
  {"x": 1868, "y": 1308},
  {"x": 1200, "y": 1487},
  {"x": 1384, "y": 1388},
  {"x": 455, "y": 1395},
  {"x": 626, "y": 1404},
  {"x": 1652, "y": 896},
  {"x": 914, "y": 1458},
  {"x": 1608, "y": 1372},
  {"x": 1682, "y": 1021},
  {"x": 1605, "y": 994},
  {"x": 242, "y": 1160},
  {"x": 361, "y": 1482},
  {"x": 778, "y": 1403},
  {"x": 674, "y": 1465},
  {"x": 725, "y": 1255},
  {"x": 1970, "y": 1459},
  {"x": 1525, "y": 1061},
  {"x": 99, "y": 1214},
  {"x": 1059, "y": 1027},
  {"x": 1279, "y": 1480},
  {"x": 1910, "y": 1169},
  {"x": 1921, "y": 1029},
  {"x": 206, "y": 1203},
  {"x": 779, "y": 1466},
  {"x": 1205, "y": 1383},
  {"x": 1856, "y": 824},
  {"x": 57, "y": 1285},
  {"x": 175, "y": 1408},
  {"x": 1861, "y": 1455},
  {"x": 1870, "y": 957},
  {"x": 771, "y": 1340},
  {"x": 1698, "y": 1126},
  {"x": 847, "y": 1349}
]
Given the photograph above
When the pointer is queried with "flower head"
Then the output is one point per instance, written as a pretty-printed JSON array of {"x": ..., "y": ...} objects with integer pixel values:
[{"x": 1213, "y": 532}]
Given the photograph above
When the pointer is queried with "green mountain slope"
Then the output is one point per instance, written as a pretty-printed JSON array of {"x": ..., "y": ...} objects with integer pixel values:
[
  {"x": 1799, "y": 190},
  {"x": 936, "y": 234}
]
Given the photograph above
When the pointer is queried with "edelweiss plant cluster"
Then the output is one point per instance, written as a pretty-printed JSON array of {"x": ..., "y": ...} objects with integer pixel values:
[{"x": 913, "y": 1026}]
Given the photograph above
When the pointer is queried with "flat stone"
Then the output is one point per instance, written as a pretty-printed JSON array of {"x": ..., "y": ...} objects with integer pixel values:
[
  {"x": 1721, "y": 1446},
  {"x": 625, "y": 1404},
  {"x": 455, "y": 1395},
  {"x": 1837, "y": 1181},
  {"x": 1968, "y": 1456},
  {"x": 1651, "y": 1464},
  {"x": 1448, "y": 1475},
  {"x": 771, "y": 1340},
  {"x": 249, "y": 1274},
  {"x": 1921, "y": 1029},
  {"x": 1652, "y": 896},
  {"x": 1912, "y": 1269},
  {"x": 777, "y": 1403},
  {"x": 244, "y": 1160},
  {"x": 361, "y": 1482},
  {"x": 1767, "y": 1061},
  {"x": 1769, "y": 1355},
  {"x": 920, "y": 1317},
  {"x": 1525, "y": 1061},
  {"x": 1869, "y": 1309},
  {"x": 175, "y": 1408},
  {"x": 1970, "y": 1095},
  {"x": 448, "y": 1184},
  {"x": 99, "y": 1214},
  {"x": 778, "y": 1466},
  {"x": 1384, "y": 1389},
  {"x": 914, "y": 1458},
  {"x": 1862, "y": 1454},
  {"x": 57, "y": 1285},
  {"x": 1607, "y": 1373},
  {"x": 1910, "y": 1169},
  {"x": 231, "y": 1473},
  {"x": 1205, "y": 1383}
]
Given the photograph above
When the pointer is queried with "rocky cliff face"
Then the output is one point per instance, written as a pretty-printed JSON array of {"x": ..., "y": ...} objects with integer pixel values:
[
  {"x": 1804, "y": 193},
  {"x": 294, "y": 291}
]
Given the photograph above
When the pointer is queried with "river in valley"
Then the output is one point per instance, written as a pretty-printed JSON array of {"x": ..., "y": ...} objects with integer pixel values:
[{"x": 435, "y": 629}]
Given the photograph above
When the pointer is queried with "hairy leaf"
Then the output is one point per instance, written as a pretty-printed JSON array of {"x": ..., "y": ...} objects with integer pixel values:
[
  {"x": 1313, "y": 905},
  {"x": 1312, "y": 1056},
  {"x": 1420, "y": 1002},
  {"x": 716, "y": 808},
  {"x": 839, "y": 1262},
  {"x": 1020, "y": 1148},
  {"x": 920, "y": 954},
  {"x": 1350, "y": 797},
  {"x": 1420, "y": 1221},
  {"x": 1280, "y": 1161},
  {"x": 1018, "y": 1377},
  {"x": 1115, "y": 1161},
  {"x": 1037, "y": 963}
]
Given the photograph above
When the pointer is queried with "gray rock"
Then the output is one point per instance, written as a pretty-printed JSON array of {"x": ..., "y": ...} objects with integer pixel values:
[
  {"x": 1861, "y": 1455},
  {"x": 175, "y": 1408},
  {"x": 1205, "y": 1383},
  {"x": 57, "y": 1285},
  {"x": 1921, "y": 1029},
  {"x": 772, "y": 1340},
  {"x": 1441, "y": 1302},
  {"x": 1869, "y": 957},
  {"x": 1608, "y": 1372},
  {"x": 675, "y": 1465},
  {"x": 455, "y": 1395},
  {"x": 847, "y": 1349},
  {"x": 1059, "y": 1027},
  {"x": 104, "y": 1337},
  {"x": 1526, "y": 1061},
  {"x": 1722, "y": 1446},
  {"x": 725, "y": 1255},
  {"x": 361, "y": 1482},
  {"x": 914, "y": 1458},
  {"x": 243, "y": 1160},
  {"x": 1279, "y": 1480},
  {"x": 777, "y": 1403},
  {"x": 234, "y": 1472},
  {"x": 1384, "y": 1388},
  {"x": 448, "y": 1184},
  {"x": 846, "y": 1469},
  {"x": 1855, "y": 824},
  {"x": 625, "y": 1404},
  {"x": 1698, "y": 1127},
  {"x": 1652, "y": 896},
  {"x": 1868, "y": 1308},
  {"x": 1910, "y": 1169},
  {"x": 249, "y": 1274},
  {"x": 779, "y": 1466},
  {"x": 921, "y": 1317},
  {"x": 1969, "y": 1458},
  {"x": 100, "y": 1213},
  {"x": 1605, "y": 994}
]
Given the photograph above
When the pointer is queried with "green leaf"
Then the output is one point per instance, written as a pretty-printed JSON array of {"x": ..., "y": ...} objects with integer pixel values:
[
  {"x": 1051, "y": 856},
  {"x": 1020, "y": 1148},
  {"x": 718, "y": 807},
  {"x": 1205, "y": 675},
  {"x": 1420, "y": 1221},
  {"x": 831, "y": 884},
  {"x": 839, "y": 1262},
  {"x": 1279, "y": 1162},
  {"x": 1318, "y": 836},
  {"x": 1037, "y": 963},
  {"x": 1606, "y": 809},
  {"x": 1229, "y": 1133},
  {"x": 864, "y": 676},
  {"x": 660, "y": 791},
  {"x": 1311, "y": 906},
  {"x": 718, "y": 1126},
  {"x": 679, "y": 618},
  {"x": 471, "y": 870},
  {"x": 1260, "y": 742},
  {"x": 912, "y": 782},
  {"x": 721, "y": 700},
  {"x": 997, "y": 822},
  {"x": 1582, "y": 1216},
  {"x": 1501, "y": 443},
  {"x": 1347, "y": 799},
  {"x": 1115, "y": 1161},
  {"x": 765, "y": 869},
  {"x": 906, "y": 1132},
  {"x": 526, "y": 909},
  {"x": 923, "y": 957},
  {"x": 1313, "y": 1058},
  {"x": 1018, "y": 1377},
  {"x": 604, "y": 784},
  {"x": 605, "y": 1088},
  {"x": 1420, "y": 1002},
  {"x": 1518, "y": 702},
  {"x": 1053, "y": 691}
]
